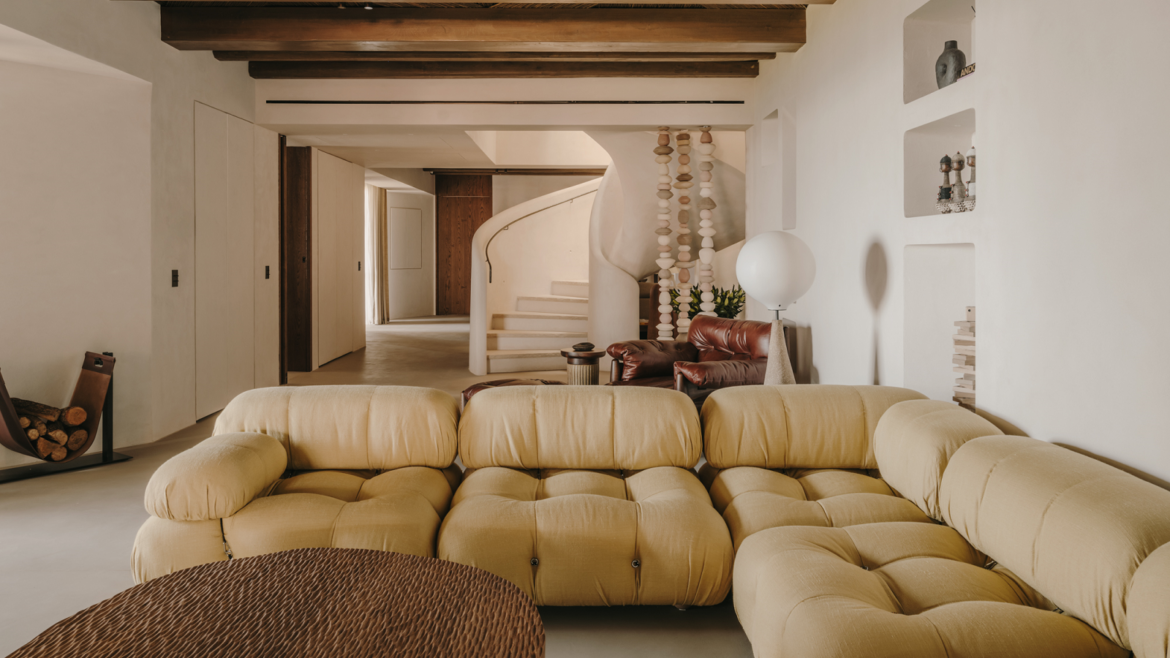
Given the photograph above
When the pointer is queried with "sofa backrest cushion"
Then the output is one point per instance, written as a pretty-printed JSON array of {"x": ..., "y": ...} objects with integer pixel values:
[
  {"x": 580, "y": 427},
  {"x": 803, "y": 426},
  {"x": 1068, "y": 525},
  {"x": 1148, "y": 606},
  {"x": 723, "y": 339},
  {"x": 914, "y": 441},
  {"x": 350, "y": 427}
]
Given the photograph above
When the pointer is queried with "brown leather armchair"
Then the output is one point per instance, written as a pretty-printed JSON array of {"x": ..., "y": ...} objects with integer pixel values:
[{"x": 718, "y": 353}]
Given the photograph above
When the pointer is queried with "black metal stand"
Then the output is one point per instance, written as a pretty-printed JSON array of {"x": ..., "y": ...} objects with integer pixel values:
[{"x": 108, "y": 456}]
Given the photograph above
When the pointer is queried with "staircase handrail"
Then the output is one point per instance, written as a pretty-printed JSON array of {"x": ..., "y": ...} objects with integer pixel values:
[{"x": 487, "y": 247}]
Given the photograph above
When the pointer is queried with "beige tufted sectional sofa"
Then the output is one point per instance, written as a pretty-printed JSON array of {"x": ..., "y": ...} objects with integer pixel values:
[{"x": 860, "y": 521}]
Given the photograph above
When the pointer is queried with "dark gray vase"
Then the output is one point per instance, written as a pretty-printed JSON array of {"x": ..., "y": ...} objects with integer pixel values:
[{"x": 950, "y": 63}]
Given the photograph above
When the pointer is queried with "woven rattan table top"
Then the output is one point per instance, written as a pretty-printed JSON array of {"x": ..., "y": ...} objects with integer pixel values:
[{"x": 325, "y": 602}]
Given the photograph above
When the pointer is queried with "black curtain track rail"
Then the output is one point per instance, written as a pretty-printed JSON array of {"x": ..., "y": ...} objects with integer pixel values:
[{"x": 286, "y": 102}]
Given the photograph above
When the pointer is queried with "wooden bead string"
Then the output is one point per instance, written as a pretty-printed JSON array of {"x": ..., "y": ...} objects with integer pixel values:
[
  {"x": 706, "y": 205},
  {"x": 665, "y": 261},
  {"x": 683, "y": 182}
]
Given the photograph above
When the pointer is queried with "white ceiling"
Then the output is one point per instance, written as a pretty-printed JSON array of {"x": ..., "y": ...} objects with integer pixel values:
[{"x": 388, "y": 148}]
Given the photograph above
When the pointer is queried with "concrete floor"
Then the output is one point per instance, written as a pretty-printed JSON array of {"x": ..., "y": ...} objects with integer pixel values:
[{"x": 65, "y": 539}]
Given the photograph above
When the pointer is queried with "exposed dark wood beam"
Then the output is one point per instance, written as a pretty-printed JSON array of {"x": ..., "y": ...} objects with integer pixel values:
[
  {"x": 584, "y": 171},
  {"x": 440, "y": 56},
  {"x": 494, "y": 29},
  {"x": 503, "y": 69}
]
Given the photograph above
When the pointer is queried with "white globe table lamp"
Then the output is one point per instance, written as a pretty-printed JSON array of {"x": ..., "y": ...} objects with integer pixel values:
[{"x": 776, "y": 268}]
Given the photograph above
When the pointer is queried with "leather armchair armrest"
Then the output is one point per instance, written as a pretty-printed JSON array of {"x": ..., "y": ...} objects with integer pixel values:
[
  {"x": 721, "y": 374},
  {"x": 216, "y": 478},
  {"x": 650, "y": 358}
]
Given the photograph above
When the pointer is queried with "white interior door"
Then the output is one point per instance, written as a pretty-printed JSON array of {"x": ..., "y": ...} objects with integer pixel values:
[
  {"x": 357, "y": 199},
  {"x": 224, "y": 255},
  {"x": 326, "y": 251},
  {"x": 267, "y": 260}
]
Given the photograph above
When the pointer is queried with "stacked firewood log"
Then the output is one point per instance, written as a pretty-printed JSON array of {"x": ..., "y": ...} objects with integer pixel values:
[
  {"x": 54, "y": 432},
  {"x": 964, "y": 360}
]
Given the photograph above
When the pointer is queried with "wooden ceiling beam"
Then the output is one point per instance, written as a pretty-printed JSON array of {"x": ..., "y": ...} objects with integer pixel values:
[
  {"x": 450, "y": 56},
  {"x": 501, "y": 69},
  {"x": 493, "y": 29}
]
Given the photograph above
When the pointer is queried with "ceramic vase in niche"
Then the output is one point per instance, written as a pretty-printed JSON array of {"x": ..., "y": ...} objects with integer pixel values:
[{"x": 949, "y": 65}]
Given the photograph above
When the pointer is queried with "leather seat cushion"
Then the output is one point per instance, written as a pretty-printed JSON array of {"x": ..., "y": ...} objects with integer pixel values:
[
  {"x": 586, "y": 529},
  {"x": 397, "y": 510},
  {"x": 753, "y": 499},
  {"x": 886, "y": 590}
]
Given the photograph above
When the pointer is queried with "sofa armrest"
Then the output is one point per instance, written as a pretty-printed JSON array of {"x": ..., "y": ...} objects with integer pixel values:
[
  {"x": 216, "y": 478},
  {"x": 650, "y": 358},
  {"x": 722, "y": 374}
]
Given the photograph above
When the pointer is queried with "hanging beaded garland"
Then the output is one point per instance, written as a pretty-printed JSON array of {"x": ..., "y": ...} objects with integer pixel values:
[
  {"x": 684, "y": 182},
  {"x": 665, "y": 262},
  {"x": 706, "y": 207}
]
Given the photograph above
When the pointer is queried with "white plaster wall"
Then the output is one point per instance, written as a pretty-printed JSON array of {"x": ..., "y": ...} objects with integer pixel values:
[
  {"x": 508, "y": 191},
  {"x": 125, "y": 36},
  {"x": 939, "y": 285},
  {"x": 548, "y": 148},
  {"x": 613, "y": 293},
  {"x": 412, "y": 291},
  {"x": 1071, "y": 236},
  {"x": 551, "y": 245},
  {"x": 75, "y": 275}
]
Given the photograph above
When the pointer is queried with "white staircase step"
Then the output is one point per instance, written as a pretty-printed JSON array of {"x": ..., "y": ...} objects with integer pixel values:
[
  {"x": 553, "y": 304},
  {"x": 524, "y": 360},
  {"x": 513, "y": 339},
  {"x": 571, "y": 289},
  {"x": 540, "y": 321}
]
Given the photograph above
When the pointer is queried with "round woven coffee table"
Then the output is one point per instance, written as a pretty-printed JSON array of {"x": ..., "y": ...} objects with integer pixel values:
[{"x": 325, "y": 602}]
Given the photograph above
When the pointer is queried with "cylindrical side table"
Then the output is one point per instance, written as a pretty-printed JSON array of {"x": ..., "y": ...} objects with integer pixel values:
[{"x": 583, "y": 364}]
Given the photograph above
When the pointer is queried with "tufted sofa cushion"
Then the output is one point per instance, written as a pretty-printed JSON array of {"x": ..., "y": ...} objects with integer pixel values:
[
  {"x": 1148, "y": 606},
  {"x": 813, "y": 426},
  {"x": 1068, "y": 525},
  {"x": 914, "y": 442},
  {"x": 396, "y": 510},
  {"x": 226, "y": 472},
  {"x": 582, "y": 495},
  {"x": 350, "y": 427},
  {"x": 583, "y": 427},
  {"x": 753, "y": 499},
  {"x": 799, "y": 455},
  {"x": 895, "y": 590},
  {"x": 597, "y": 537}
]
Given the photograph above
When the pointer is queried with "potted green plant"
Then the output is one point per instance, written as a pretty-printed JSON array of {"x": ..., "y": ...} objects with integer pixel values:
[{"x": 728, "y": 303}]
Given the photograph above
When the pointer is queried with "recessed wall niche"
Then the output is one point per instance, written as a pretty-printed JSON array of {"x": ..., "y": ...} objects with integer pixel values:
[
  {"x": 939, "y": 286},
  {"x": 924, "y": 34},
  {"x": 924, "y": 146}
]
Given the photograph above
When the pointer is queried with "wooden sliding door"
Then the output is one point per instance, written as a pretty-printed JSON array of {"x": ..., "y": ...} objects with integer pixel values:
[
  {"x": 297, "y": 260},
  {"x": 462, "y": 204}
]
